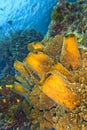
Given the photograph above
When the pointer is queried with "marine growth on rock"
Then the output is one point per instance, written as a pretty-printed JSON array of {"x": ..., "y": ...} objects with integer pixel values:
[{"x": 68, "y": 18}]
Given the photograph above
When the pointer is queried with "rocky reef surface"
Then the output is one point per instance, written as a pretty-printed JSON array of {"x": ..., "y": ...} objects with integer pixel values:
[
  {"x": 68, "y": 18},
  {"x": 53, "y": 80}
]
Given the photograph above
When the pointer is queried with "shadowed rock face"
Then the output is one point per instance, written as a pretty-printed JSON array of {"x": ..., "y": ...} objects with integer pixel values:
[{"x": 25, "y": 14}]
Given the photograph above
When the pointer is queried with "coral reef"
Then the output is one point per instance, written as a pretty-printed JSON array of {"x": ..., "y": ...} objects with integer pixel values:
[
  {"x": 69, "y": 18},
  {"x": 53, "y": 80},
  {"x": 10, "y": 103},
  {"x": 12, "y": 115},
  {"x": 12, "y": 46}
]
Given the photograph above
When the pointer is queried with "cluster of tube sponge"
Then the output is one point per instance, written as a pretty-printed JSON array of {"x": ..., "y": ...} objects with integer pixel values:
[{"x": 41, "y": 68}]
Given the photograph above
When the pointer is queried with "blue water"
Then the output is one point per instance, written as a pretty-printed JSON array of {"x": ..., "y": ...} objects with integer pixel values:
[{"x": 22, "y": 14}]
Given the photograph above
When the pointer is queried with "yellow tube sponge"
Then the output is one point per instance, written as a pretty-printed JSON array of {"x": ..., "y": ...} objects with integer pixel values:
[
  {"x": 35, "y": 46},
  {"x": 20, "y": 67},
  {"x": 22, "y": 80},
  {"x": 70, "y": 56},
  {"x": 18, "y": 88},
  {"x": 39, "y": 62},
  {"x": 58, "y": 88},
  {"x": 64, "y": 71}
]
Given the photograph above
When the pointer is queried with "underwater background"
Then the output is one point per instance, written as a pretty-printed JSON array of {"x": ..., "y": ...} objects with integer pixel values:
[{"x": 43, "y": 65}]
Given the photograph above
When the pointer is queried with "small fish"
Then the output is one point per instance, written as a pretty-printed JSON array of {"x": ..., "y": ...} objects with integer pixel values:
[
  {"x": 9, "y": 86},
  {"x": 18, "y": 100},
  {"x": 4, "y": 100},
  {"x": 34, "y": 8},
  {"x": 0, "y": 87},
  {"x": 10, "y": 22},
  {"x": 1, "y": 9}
]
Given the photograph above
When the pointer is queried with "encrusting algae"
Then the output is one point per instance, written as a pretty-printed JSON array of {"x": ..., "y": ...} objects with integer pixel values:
[{"x": 52, "y": 70}]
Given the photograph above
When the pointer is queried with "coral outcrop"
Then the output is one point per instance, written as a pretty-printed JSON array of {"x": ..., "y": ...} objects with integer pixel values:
[
  {"x": 53, "y": 80},
  {"x": 68, "y": 18}
]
